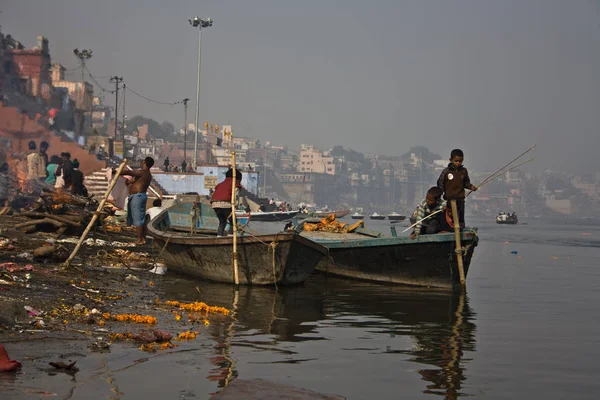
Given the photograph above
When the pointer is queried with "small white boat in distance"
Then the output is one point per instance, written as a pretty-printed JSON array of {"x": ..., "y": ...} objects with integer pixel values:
[{"x": 357, "y": 215}]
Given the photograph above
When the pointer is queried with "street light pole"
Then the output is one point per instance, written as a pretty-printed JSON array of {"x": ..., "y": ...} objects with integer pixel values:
[
  {"x": 199, "y": 23},
  {"x": 185, "y": 101},
  {"x": 116, "y": 80},
  {"x": 83, "y": 56}
]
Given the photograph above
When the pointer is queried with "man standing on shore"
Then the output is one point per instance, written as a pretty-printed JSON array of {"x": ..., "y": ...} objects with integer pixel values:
[{"x": 136, "y": 201}]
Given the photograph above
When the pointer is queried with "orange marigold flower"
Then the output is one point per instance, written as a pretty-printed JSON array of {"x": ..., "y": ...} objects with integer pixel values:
[
  {"x": 177, "y": 317},
  {"x": 106, "y": 315},
  {"x": 188, "y": 335},
  {"x": 199, "y": 306},
  {"x": 136, "y": 318},
  {"x": 101, "y": 323}
]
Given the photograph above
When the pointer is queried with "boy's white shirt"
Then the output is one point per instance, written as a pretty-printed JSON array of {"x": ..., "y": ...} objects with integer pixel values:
[{"x": 153, "y": 212}]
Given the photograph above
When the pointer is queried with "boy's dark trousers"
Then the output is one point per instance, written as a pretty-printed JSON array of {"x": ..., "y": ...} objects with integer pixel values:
[
  {"x": 460, "y": 206},
  {"x": 434, "y": 225},
  {"x": 224, "y": 215}
]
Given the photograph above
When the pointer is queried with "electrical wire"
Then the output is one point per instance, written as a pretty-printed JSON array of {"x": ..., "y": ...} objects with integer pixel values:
[
  {"x": 151, "y": 100},
  {"x": 93, "y": 78}
]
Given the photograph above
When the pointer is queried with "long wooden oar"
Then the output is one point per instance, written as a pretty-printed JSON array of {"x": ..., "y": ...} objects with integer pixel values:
[
  {"x": 236, "y": 277},
  {"x": 459, "y": 258},
  {"x": 97, "y": 213},
  {"x": 498, "y": 173}
]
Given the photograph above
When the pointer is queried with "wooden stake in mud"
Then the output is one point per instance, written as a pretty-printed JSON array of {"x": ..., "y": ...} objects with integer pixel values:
[
  {"x": 236, "y": 277},
  {"x": 461, "y": 270},
  {"x": 97, "y": 213}
]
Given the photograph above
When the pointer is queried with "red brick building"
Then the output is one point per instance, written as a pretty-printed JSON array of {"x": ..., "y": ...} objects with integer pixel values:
[{"x": 27, "y": 70}]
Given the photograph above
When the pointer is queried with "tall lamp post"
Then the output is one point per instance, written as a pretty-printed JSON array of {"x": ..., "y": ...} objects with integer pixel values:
[
  {"x": 83, "y": 56},
  {"x": 185, "y": 128},
  {"x": 199, "y": 23}
]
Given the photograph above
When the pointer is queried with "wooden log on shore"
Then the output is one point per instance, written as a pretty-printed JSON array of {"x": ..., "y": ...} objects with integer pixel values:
[
  {"x": 97, "y": 213},
  {"x": 58, "y": 218},
  {"x": 40, "y": 221}
]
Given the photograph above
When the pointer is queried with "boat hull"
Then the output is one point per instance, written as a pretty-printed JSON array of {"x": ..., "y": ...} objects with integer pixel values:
[
  {"x": 396, "y": 217},
  {"x": 283, "y": 259},
  {"x": 378, "y": 218},
  {"x": 275, "y": 216},
  {"x": 428, "y": 261},
  {"x": 358, "y": 217},
  {"x": 507, "y": 222},
  {"x": 338, "y": 214}
]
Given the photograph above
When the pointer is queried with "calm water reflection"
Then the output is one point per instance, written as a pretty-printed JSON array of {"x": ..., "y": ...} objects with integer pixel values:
[{"x": 440, "y": 326}]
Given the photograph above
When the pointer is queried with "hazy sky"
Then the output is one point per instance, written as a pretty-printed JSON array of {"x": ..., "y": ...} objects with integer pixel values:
[{"x": 491, "y": 77}]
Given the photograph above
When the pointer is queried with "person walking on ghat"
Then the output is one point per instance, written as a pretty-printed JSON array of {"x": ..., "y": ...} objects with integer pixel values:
[
  {"x": 453, "y": 181},
  {"x": 136, "y": 201},
  {"x": 36, "y": 166},
  {"x": 221, "y": 201}
]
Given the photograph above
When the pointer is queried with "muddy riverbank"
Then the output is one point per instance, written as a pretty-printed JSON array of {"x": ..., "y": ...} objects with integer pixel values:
[{"x": 51, "y": 314}]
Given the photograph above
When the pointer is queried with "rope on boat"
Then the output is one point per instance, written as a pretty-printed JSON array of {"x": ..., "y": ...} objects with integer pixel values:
[
  {"x": 161, "y": 250},
  {"x": 272, "y": 246}
]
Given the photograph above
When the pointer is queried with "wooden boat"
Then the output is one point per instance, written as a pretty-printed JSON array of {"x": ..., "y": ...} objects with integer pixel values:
[
  {"x": 357, "y": 215},
  {"x": 507, "y": 219},
  {"x": 429, "y": 260},
  {"x": 283, "y": 258},
  {"x": 376, "y": 216},
  {"x": 396, "y": 217},
  {"x": 338, "y": 214},
  {"x": 272, "y": 216}
]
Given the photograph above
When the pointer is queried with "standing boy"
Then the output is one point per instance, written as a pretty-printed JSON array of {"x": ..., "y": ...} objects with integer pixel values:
[
  {"x": 453, "y": 181},
  {"x": 221, "y": 201}
]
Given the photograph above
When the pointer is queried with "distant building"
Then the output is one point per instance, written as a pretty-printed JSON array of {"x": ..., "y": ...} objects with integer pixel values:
[
  {"x": 101, "y": 115},
  {"x": 24, "y": 70},
  {"x": 313, "y": 160}
]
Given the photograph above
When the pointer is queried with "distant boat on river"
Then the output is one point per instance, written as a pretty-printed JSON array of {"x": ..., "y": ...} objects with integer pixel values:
[
  {"x": 396, "y": 217},
  {"x": 507, "y": 219},
  {"x": 377, "y": 217}
]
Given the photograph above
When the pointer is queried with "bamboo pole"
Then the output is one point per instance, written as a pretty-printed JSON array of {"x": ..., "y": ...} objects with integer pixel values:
[
  {"x": 236, "y": 277},
  {"x": 497, "y": 174},
  {"x": 97, "y": 213},
  {"x": 459, "y": 258},
  {"x": 512, "y": 161}
]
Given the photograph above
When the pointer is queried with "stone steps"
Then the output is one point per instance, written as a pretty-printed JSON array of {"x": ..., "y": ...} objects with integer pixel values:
[{"x": 96, "y": 183}]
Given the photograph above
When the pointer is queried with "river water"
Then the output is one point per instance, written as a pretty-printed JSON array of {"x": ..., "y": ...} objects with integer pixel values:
[{"x": 525, "y": 329}]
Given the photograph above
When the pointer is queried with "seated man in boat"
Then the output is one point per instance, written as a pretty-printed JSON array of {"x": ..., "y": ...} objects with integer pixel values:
[
  {"x": 433, "y": 202},
  {"x": 221, "y": 201}
]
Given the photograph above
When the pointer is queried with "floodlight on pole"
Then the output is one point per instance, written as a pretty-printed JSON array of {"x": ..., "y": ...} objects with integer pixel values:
[
  {"x": 199, "y": 23},
  {"x": 83, "y": 56}
]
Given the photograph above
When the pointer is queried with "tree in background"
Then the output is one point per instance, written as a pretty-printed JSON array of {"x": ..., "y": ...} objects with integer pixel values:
[
  {"x": 423, "y": 152},
  {"x": 156, "y": 130}
]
